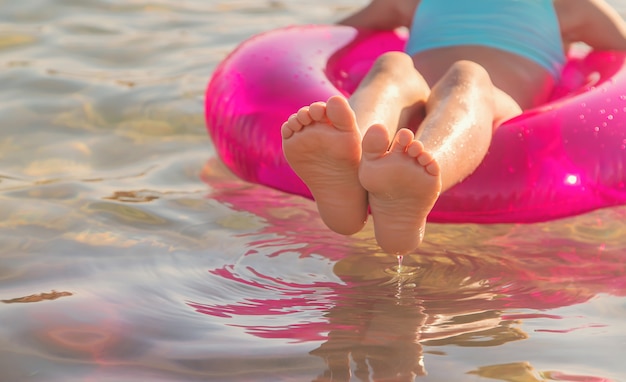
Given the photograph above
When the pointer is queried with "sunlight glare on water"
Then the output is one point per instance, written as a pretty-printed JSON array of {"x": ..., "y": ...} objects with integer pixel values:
[{"x": 129, "y": 253}]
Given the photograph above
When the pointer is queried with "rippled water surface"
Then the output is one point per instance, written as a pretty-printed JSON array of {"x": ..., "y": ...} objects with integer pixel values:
[{"x": 128, "y": 253}]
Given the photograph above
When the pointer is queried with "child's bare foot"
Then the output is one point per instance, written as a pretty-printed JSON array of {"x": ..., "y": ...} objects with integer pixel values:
[
  {"x": 403, "y": 182},
  {"x": 323, "y": 146}
]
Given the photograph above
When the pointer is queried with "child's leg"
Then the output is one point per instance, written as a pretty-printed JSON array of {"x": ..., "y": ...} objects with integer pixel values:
[
  {"x": 462, "y": 113},
  {"x": 404, "y": 181},
  {"x": 393, "y": 94}
]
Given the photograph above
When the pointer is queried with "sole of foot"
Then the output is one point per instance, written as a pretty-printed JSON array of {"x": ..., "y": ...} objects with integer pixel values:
[
  {"x": 403, "y": 183},
  {"x": 322, "y": 144}
]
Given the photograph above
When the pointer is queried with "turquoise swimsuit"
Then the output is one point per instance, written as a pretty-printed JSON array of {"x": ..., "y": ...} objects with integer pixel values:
[{"x": 528, "y": 28}]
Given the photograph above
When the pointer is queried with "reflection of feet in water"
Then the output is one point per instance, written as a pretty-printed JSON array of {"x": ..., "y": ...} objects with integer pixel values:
[
  {"x": 388, "y": 345},
  {"x": 382, "y": 347},
  {"x": 378, "y": 329}
]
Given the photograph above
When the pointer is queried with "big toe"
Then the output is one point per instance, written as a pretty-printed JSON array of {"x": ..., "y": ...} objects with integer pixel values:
[
  {"x": 375, "y": 142},
  {"x": 340, "y": 113}
]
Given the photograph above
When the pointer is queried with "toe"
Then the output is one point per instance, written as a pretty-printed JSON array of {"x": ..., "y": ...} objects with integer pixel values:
[
  {"x": 303, "y": 116},
  {"x": 375, "y": 142},
  {"x": 340, "y": 113},
  {"x": 433, "y": 168},
  {"x": 424, "y": 158},
  {"x": 293, "y": 123},
  {"x": 429, "y": 163},
  {"x": 415, "y": 148},
  {"x": 317, "y": 111},
  {"x": 285, "y": 131},
  {"x": 402, "y": 140}
]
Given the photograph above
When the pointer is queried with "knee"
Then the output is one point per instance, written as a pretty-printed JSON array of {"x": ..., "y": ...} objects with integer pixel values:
[
  {"x": 468, "y": 73},
  {"x": 394, "y": 62}
]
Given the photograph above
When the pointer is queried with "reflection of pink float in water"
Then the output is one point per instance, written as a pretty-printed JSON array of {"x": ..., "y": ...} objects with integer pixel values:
[
  {"x": 506, "y": 269},
  {"x": 442, "y": 291},
  {"x": 561, "y": 159}
]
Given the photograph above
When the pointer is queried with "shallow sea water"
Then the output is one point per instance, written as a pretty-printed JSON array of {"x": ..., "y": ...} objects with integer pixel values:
[{"x": 128, "y": 253}]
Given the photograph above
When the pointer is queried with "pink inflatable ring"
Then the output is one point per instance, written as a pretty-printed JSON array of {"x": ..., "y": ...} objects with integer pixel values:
[{"x": 563, "y": 158}]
